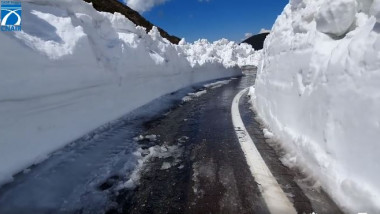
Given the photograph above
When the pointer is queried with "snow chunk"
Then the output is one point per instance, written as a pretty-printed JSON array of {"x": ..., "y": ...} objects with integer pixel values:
[
  {"x": 166, "y": 165},
  {"x": 183, "y": 139},
  {"x": 151, "y": 138},
  {"x": 267, "y": 133},
  {"x": 336, "y": 17}
]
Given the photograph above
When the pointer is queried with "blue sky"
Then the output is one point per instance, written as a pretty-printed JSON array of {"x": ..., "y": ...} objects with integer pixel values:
[{"x": 214, "y": 19}]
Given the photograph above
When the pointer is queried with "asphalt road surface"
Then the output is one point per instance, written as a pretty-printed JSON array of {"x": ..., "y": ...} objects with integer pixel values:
[{"x": 192, "y": 163}]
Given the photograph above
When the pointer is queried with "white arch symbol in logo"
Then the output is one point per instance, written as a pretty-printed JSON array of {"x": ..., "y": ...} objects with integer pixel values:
[{"x": 5, "y": 19}]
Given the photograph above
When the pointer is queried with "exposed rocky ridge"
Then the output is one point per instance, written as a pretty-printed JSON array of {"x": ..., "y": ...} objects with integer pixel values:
[
  {"x": 113, "y": 6},
  {"x": 256, "y": 41}
]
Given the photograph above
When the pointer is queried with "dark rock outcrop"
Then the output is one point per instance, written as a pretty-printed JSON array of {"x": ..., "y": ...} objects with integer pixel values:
[
  {"x": 257, "y": 41},
  {"x": 113, "y": 6}
]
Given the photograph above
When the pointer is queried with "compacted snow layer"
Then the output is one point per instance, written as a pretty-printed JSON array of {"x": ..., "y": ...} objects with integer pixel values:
[
  {"x": 318, "y": 90},
  {"x": 72, "y": 69}
]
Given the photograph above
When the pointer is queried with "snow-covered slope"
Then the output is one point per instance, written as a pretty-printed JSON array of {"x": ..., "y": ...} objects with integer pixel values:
[
  {"x": 318, "y": 89},
  {"x": 73, "y": 69}
]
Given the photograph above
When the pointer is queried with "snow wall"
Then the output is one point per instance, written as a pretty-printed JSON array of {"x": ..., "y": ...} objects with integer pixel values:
[
  {"x": 318, "y": 90},
  {"x": 72, "y": 69}
]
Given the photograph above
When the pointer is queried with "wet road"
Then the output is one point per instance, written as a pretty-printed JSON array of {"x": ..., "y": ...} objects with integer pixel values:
[
  {"x": 212, "y": 175},
  {"x": 194, "y": 164}
]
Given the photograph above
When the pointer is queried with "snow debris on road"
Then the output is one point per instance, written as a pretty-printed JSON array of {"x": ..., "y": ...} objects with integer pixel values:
[
  {"x": 166, "y": 165},
  {"x": 82, "y": 68},
  {"x": 151, "y": 138},
  {"x": 191, "y": 96},
  {"x": 144, "y": 156},
  {"x": 214, "y": 85},
  {"x": 317, "y": 90},
  {"x": 205, "y": 169},
  {"x": 195, "y": 179},
  {"x": 217, "y": 84},
  {"x": 183, "y": 139}
]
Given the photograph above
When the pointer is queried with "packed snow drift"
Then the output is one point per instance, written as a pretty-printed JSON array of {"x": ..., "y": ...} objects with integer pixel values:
[
  {"x": 318, "y": 90},
  {"x": 72, "y": 69},
  {"x": 223, "y": 51}
]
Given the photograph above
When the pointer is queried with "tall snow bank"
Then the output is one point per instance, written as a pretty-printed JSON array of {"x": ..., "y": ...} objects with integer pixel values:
[
  {"x": 318, "y": 89},
  {"x": 73, "y": 69}
]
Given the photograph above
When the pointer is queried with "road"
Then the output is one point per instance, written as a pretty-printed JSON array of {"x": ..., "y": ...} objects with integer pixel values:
[{"x": 193, "y": 162}]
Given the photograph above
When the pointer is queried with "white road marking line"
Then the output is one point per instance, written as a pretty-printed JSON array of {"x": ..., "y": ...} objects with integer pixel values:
[{"x": 273, "y": 195}]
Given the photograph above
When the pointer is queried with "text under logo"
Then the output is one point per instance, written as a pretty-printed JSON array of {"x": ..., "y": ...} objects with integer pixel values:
[{"x": 10, "y": 16}]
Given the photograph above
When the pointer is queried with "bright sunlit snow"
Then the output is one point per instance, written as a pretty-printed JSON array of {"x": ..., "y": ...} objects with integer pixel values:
[{"x": 318, "y": 91}]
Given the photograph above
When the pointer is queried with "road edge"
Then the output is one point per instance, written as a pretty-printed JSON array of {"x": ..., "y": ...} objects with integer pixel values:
[{"x": 274, "y": 197}]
